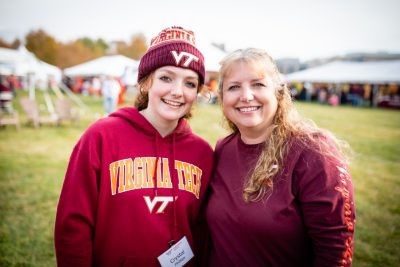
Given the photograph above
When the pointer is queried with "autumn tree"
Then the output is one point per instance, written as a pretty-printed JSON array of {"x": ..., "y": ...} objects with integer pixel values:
[
  {"x": 16, "y": 43},
  {"x": 73, "y": 53},
  {"x": 140, "y": 44},
  {"x": 135, "y": 49},
  {"x": 63, "y": 55},
  {"x": 98, "y": 46},
  {"x": 4, "y": 43},
  {"x": 44, "y": 46}
]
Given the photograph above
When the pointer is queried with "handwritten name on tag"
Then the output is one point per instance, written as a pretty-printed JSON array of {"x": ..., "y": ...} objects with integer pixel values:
[{"x": 177, "y": 255}]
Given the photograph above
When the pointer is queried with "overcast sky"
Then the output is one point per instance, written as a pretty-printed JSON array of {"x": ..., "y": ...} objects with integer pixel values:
[{"x": 286, "y": 28}]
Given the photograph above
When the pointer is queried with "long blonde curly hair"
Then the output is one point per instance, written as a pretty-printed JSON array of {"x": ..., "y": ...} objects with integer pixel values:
[{"x": 287, "y": 124}]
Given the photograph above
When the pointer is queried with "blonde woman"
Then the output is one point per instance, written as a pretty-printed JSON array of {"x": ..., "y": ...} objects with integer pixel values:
[{"x": 281, "y": 194}]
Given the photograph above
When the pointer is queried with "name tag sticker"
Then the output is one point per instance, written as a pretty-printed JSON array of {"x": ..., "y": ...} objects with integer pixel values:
[{"x": 177, "y": 255}]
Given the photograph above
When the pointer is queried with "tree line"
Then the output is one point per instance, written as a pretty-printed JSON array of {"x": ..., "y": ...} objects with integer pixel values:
[{"x": 48, "y": 49}]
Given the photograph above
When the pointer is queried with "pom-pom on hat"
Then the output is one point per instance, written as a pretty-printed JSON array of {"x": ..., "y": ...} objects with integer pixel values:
[{"x": 173, "y": 46}]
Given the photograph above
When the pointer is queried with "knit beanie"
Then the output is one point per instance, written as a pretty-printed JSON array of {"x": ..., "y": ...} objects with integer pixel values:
[{"x": 173, "y": 46}]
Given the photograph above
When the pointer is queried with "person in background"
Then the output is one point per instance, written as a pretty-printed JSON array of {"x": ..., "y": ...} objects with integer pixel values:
[
  {"x": 213, "y": 90},
  {"x": 110, "y": 90},
  {"x": 281, "y": 193},
  {"x": 122, "y": 92},
  {"x": 6, "y": 95},
  {"x": 136, "y": 179},
  {"x": 96, "y": 86},
  {"x": 13, "y": 82}
]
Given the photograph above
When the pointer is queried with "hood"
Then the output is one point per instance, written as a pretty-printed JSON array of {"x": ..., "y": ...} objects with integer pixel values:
[
  {"x": 182, "y": 131},
  {"x": 138, "y": 121}
]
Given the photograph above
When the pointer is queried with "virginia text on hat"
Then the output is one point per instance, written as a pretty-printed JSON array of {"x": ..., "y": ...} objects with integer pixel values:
[{"x": 177, "y": 34}]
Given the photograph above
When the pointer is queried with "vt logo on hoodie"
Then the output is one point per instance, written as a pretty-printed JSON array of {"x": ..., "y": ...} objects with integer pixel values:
[
  {"x": 137, "y": 173},
  {"x": 151, "y": 203}
]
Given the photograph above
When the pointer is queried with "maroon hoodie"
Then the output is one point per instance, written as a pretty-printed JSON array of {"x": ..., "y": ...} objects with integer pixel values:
[{"x": 116, "y": 208}]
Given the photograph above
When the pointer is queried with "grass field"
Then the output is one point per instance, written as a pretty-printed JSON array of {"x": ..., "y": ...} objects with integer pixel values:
[{"x": 33, "y": 162}]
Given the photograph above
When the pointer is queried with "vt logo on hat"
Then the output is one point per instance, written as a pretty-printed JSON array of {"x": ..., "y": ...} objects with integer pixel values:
[
  {"x": 173, "y": 46},
  {"x": 189, "y": 59}
]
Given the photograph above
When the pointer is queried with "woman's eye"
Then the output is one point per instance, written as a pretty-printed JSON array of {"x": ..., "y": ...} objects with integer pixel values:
[
  {"x": 259, "y": 85},
  {"x": 165, "y": 78},
  {"x": 233, "y": 87},
  {"x": 191, "y": 84}
]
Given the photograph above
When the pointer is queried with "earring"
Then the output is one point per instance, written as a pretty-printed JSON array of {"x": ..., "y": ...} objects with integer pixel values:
[{"x": 142, "y": 91}]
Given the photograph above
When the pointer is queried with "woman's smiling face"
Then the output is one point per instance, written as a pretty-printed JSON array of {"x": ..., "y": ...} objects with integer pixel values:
[
  {"x": 249, "y": 100},
  {"x": 172, "y": 93}
]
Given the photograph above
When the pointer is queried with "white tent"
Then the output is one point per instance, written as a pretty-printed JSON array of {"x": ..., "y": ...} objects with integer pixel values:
[
  {"x": 374, "y": 72},
  {"x": 212, "y": 56},
  {"x": 115, "y": 65},
  {"x": 9, "y": 61},
  {"x": 21, "y": 62},
  {"x": 48, "y": 70}
]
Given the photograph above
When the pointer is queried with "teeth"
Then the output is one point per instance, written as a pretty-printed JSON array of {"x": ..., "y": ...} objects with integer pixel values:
[
  {"x": 248, "y": 109},
  {"x": 172, "y": 103}
]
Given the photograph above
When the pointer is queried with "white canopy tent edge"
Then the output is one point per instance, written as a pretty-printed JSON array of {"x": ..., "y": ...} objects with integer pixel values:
[
  {"x": 36, "y": 74},
  {"x": 116, "y": 65},
  {"x": 21, "y": 62},
  {"x": 372, "y": 72}
]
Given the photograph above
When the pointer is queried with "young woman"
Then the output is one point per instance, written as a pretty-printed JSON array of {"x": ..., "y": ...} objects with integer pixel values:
[
  {"x": 281, "y": 194},
  {"x": 136, "y": 179}
]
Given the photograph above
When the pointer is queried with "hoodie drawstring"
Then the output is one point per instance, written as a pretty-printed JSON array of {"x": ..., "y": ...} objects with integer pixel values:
[
  {"x": 156, "y": 166},
  {"x": 174, "y": 226},
  {"x": 174, "y": 180}
]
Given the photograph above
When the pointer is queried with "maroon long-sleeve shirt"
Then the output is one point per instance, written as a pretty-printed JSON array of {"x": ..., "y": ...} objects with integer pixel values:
[{"x": 307, "y": 220}]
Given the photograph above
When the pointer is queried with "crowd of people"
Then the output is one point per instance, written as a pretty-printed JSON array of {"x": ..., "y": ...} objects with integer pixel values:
[
  {"x": 9, "y": 84},
  {"x": 111, "y": 88},
  {"x": 141, "y": 189},
  {"x": 357, "y": 95}
]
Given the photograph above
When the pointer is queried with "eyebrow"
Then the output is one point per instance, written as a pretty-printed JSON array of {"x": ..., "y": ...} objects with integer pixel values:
[
  {"x": 174, "y": 73},
  {"x": 251, "y": 81}
]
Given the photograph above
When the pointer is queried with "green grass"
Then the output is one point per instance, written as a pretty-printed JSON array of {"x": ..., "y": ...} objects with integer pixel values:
[
  {"x": 374, "y": 135},
  {"x": 33, "y": 163}
]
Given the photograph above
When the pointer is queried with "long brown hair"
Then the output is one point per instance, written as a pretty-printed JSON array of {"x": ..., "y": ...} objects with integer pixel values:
[{"x": 287, "y": 125}]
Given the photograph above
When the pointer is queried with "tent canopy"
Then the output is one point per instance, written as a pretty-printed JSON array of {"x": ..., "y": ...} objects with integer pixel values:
[
  {"x": 375, "y": 72},
  {"x": 21, "y": 62},
  {"x": 108, "y": 65},
  {"x": 212, "y": 56}
]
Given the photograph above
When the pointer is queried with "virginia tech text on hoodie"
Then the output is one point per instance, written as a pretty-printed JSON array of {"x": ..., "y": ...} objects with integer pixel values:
[{"x": 128, "y": 192}]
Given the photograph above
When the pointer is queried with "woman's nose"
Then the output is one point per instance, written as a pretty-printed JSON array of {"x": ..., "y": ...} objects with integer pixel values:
[
  {"x": 177, "y": 89},
  {"x": 246, "y": 95}
]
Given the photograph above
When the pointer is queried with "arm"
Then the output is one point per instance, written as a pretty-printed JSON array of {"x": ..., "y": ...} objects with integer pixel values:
[
  {"x": 325, "y": 194},
  {"x": 201, "y": 237},
  {"x": 77, "y": 207},
  {"x": 201, "y": 234}
]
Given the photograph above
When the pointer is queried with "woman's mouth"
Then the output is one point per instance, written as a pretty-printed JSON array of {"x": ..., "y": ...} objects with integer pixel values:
[
  {"x": 172, "y": 103},
  {"x": 247, "y": 109}
]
